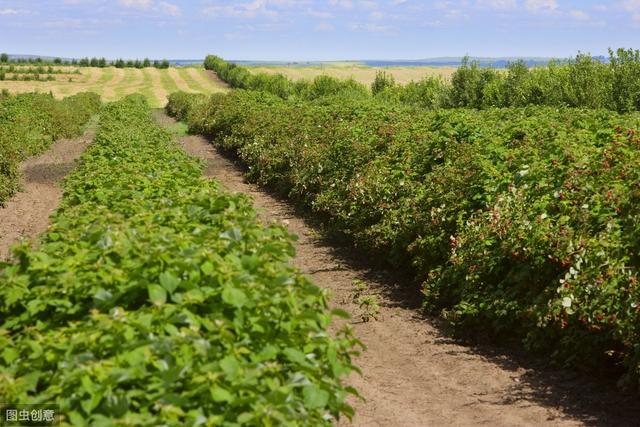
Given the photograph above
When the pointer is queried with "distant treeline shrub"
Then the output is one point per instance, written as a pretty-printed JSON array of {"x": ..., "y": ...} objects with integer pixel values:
[
  {"x": 90, "y": 62},
  {"x": 583, "y": 82}
]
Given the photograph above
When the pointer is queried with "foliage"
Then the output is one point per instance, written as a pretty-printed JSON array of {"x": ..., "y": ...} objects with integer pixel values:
[
  {"x": 156, "y": 298},
  {"x": 280, "y": 85},
  {"x": 582, "y": 82},
  {"x": 521, "y": 223},
  {"x": 29, "y": 123}
]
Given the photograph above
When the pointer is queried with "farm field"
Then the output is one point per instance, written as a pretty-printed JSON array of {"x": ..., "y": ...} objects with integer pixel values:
[
  {"x": 360, "y": 73},
  {"x": 115, "y": 83}
]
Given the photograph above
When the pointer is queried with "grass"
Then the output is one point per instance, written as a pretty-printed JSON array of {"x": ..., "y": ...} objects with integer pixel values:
[
  {"x": 360, "y": 73},
  {"x": 191, "y": 82},
  {"x": 106, "y": 83}
]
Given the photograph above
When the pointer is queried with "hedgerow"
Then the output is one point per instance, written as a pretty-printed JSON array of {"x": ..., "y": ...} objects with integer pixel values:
[
  {"x": 280, "y": 85},
  {"x": 29, "y": 123},
  {"x": 585, "y": 82},
  {"x": 521, "y": 224},
  {"x": 155, "y": 298}
]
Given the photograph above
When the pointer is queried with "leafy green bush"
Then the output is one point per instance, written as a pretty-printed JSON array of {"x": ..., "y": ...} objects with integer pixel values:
[
  {"x": 522, "y": 224},
  {"x": 585, "y": 82},
  {"x": 29, "y": 123},
  {"x": 281, "y": 86},
  {"x": 156, "y": 298}
]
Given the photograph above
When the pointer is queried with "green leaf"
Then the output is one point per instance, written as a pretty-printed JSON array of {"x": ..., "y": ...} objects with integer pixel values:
[
  {"x": 234, "y": 297},
  {"x": 10, "y": 354},
  {"x": 338, "y": 312},
  {"x": 315, "y": 397},
  {"x": 230, "y": 366},
  {"x": 221, "y": 395},
  {"x": 169, "y": 281},
  {"x": 157, "y": 294},
  {"x": 207, "y": 268}
]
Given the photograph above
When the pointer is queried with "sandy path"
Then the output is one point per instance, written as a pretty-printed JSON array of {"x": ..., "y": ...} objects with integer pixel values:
[
  {"x": 217, "y": 81},
  {"x": 180, "y": 82},
  {"x": 26, "y": 214},
  {"x": 413, "y": 375},
  {"x": 110, "y": 87}
]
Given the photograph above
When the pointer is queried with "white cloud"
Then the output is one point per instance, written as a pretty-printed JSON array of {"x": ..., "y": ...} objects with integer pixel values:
[
  {"x": 169, "y": 9},
  {"x": 579, "y": 15},
  {"x": 498, "y": 4},
  {"x": 369, "y": 28},
  {"x": 541, "y": 6},
  {"x": 347, "y": 4},
  {"x": 319, "y": 14},
  {"x": 632, "y": 6},
  {"x": 141, "y": 4},
  {"x": 9, "y": 11},
  {"x": 241, "y": 10}
]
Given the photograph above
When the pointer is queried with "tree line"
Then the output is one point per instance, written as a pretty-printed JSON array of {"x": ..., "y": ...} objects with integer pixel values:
[{"x": 90, "y": 62}]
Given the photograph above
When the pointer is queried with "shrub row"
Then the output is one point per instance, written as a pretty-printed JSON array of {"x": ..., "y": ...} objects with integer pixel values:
[
  {"x": 583, "y": 82},
  {"x": 519, "y": 223},
  {"x": 279, "y": 85},
  {"x": 29, "y": 123},
  {"x": 155, "y": 298}
]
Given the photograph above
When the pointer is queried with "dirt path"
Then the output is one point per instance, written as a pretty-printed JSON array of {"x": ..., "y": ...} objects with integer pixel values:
[
  {"x": 413, "y": 375},
  {"x": 203, "y": 79},
  {"x": 217, "y": 81},
  {"x": 26, "y": 214}
]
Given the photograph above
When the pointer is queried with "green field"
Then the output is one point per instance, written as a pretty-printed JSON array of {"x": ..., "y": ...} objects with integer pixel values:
[{"x": 114, "y": 83}]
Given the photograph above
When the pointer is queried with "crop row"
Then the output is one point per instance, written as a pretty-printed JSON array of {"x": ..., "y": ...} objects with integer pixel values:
[
  {"x": 582, "y": 82},
  {"x": 29, "y": 123},
  {"x": 520, "y": 224},
  {"x": 155, "y": 298}
]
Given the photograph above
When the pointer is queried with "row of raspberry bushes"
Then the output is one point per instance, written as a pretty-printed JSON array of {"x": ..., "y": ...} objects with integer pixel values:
[
  {"x": 519, "y": 223},
  {"x": 581, "y": 82},
  {"x": 31, "y": 122},
  {"x": 156, "y": 298}
]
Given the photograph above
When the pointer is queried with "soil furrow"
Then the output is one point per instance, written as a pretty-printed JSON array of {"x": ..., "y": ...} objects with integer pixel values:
[{"x": 26, "y": 214}]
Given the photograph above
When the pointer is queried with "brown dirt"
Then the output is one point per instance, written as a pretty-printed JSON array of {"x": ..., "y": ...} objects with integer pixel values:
[
  {"x": 26, "y": 214},
  {"x": 413, "y": 374},
  {"x": 202, "y": 77},
  {"x": 217, "y": 81}
]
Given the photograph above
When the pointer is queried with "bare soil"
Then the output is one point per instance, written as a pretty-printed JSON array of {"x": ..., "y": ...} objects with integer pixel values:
[
  {"x": 413, "y": 373},
  {"x": 26, "y": 214}
]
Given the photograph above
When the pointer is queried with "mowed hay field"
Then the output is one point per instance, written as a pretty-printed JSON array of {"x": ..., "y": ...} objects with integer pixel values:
[
  {"x": 115, "y": 83},
  {"x": 360, "y": 73}
]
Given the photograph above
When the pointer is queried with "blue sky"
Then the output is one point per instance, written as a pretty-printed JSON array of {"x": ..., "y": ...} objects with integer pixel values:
[{"x": 317, "y": 29}]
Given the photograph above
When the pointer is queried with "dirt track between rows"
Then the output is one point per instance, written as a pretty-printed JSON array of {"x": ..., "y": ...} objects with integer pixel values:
[
  {"x": 26, "y": 214},
  {"x": 413, "y": 374}
]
